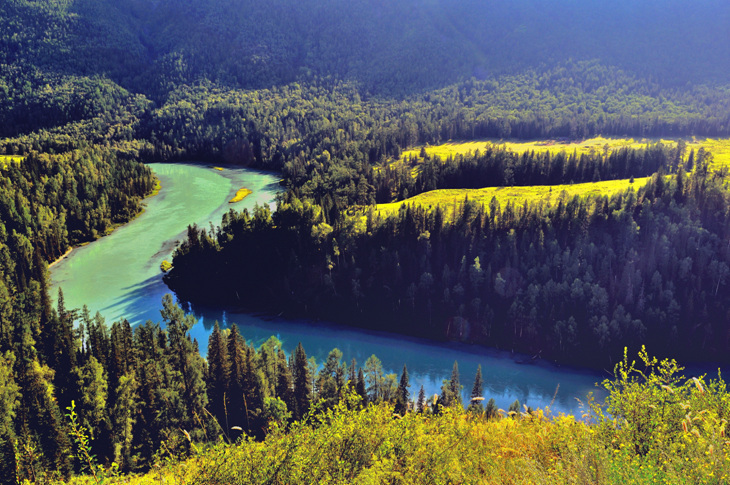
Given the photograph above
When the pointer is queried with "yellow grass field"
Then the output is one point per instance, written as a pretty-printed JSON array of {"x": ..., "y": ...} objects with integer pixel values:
[
  {"x": 517, "y": 195},
  {"x": 720, "y": 148}
]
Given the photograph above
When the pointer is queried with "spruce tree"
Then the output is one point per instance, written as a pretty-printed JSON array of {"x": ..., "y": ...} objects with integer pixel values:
[
  {"x": 451, "y": 389},
  {"x": 421, "y": 403},
  {"x": 402, "y": 395},
  {"x": 360, "y": 386},
  {"x": 477, "y": 392},
  {"x": 302, "y": 382},
  {"x": 329, "y": 379},
  {"x": 490, "y": 412},
  {"x": 237, "y": 379},
  {"x": 375, "y": 378},
  {"x": 218, "y": 375},
  {"x": 285, "y": 382},
  {"x": 186, "y": 362}
]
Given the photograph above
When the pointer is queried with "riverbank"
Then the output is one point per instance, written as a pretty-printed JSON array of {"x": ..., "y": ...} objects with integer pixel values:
[
  {"x": 60, "y": 258},
  {"x": 155, "y": 190}
]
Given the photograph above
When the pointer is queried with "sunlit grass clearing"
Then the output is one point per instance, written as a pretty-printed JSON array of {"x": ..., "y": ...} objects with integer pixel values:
[
  {"x": 720, "y": 148},
  {"x": 447, "y": 198}
]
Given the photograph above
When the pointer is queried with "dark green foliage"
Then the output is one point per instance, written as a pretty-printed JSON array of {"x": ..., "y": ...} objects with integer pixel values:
[
  {"x": 421, "y": 403},
  {"x": 491, "y": 411},
  {"x": 451, "y": 389},
  {"x": 240, "y": 381},
  {"x": 402, "y": 397},
  {"x": 302, "y": 382},
  {"x": 285, "y": 382},
  {"x": 477, "y": 392},
  {"x": 331, "y": 379},
  {"x": 218, "y": 376},
  {"x": 187, "y": 366},
  {"x": 360, "y": 386}
]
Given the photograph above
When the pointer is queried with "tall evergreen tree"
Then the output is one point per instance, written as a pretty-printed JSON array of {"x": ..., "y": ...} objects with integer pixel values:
[
  {"x": 402, "y": 397},
  {"x": 374, "y": 378},
  {"x": 491, "y": 410},
  {"x": 421, "y": 403},
  {"x": 218, "y": 375},
  {"x": 477, "y": 392},
  {"x": 331, "y": 379},
  {"x": 238, "y": 381},
  {"x": 360, "y": 386},
  {"x": 302, "y": 382},
  {"x": 451, "y": 389},
  {"x": 285, "y": 382},
  {"x": 186, "y": 362},
  {"x": 93, "y": 408}
]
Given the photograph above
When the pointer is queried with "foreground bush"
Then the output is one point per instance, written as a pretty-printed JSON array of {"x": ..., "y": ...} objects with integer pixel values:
[{"x": 655, "y": 427}]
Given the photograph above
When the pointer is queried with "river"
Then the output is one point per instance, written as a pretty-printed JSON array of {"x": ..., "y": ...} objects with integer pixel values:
[{"x": 119, "y": 276}]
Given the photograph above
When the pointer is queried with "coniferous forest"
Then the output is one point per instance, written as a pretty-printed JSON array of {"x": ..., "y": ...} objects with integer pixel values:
[{"x": 335, "y": 96}]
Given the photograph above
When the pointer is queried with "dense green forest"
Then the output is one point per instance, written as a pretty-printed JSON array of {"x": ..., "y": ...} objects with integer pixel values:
[{"x": 330, "y": 94}]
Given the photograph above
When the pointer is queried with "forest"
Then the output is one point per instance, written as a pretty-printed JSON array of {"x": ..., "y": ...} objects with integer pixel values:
[{"x": 331, "y": 95}]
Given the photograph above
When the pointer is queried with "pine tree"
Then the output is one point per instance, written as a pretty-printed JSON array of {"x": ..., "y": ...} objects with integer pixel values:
[
  {"x": 39, "y": 418},
  {"x": 375, "y": 379},
  {"x": 352, "y": 375},
  {"x": 186, "y": 363},
  {"x": 477, "y": 392},
  {"x": 402, "y": 395},
  {"x": 490, "y": 412},
  {"x": 218, "y": 375},
  {"x": 237, "y": 380},
  {"x": 302, "y": 382},
  {"x": 121, "y": 355},
  {"x": 451, "y": 389},
  {"x": 329, "y": 380},
  {"x": 157, "y": 411},
  {"x": 360, "y": 386},
  {"x": 285, "y": 382},
  {"x": 421, "y": 403}
]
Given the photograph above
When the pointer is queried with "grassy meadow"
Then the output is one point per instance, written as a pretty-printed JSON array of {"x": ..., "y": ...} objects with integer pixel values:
[
  {"x": 720, "y": 148},
  {"x": 517, "y": 195}
]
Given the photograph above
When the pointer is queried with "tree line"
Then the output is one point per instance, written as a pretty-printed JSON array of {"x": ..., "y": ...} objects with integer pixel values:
[{"x": 138, "y": 393}]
